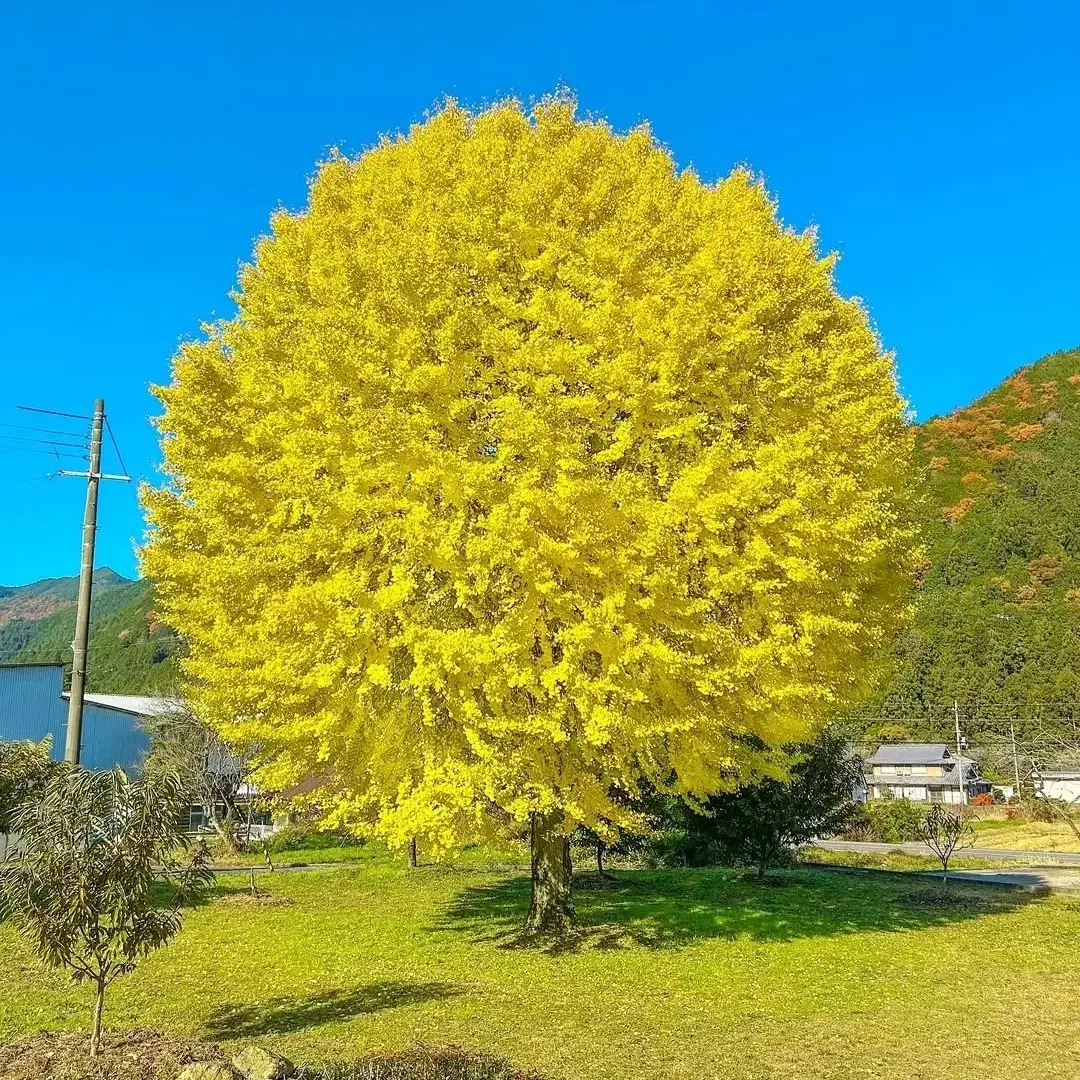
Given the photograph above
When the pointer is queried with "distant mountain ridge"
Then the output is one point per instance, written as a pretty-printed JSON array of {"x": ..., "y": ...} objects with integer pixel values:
[
  {"x": 41, "y": 598},
  {"x": 130, "y": 651}
]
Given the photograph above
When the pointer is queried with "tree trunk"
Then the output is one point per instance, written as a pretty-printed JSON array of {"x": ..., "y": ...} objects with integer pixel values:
[
  {"x": 414, "y": 862},
  {"x": 95, "y": 1030},
  {"x": 226, "y": 833},
  {"x": 600, "y": 857},
  {"x": 551, "y": 910}
]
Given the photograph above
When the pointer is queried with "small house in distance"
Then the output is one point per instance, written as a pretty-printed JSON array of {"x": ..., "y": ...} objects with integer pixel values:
[
  {"x": 922, "y": 772},
  {"x": 1062, "y": 783}
]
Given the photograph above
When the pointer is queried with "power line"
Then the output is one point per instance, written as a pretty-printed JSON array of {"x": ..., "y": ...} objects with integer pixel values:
[
  {"x": 43, "y": 431},
  {"x": 112, "y": 439},
  {"x": 47, "y": 453},
  {"x": 53, "y": 412},
  {"x": 43, "y": 442}
]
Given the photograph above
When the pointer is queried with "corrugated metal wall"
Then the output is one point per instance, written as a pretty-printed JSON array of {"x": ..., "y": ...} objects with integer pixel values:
[{"x": 32, "y": 706}]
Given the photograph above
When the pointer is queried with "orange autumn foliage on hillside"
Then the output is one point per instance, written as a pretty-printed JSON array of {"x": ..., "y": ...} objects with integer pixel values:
[
  {"x": 1023, "y": 432},
  {"x": 956, "y": 513},
  {"x": 1023, "y": 389}
]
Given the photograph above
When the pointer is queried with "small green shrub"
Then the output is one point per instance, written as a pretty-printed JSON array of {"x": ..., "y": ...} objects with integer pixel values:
[
  {"x": 888, "y": 822},
  {"x": 673, "y": 847}
]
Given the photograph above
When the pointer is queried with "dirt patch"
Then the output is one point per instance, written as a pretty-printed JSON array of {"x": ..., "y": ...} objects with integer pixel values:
[
  {"x": 149, "y": 1055},
  {"x": 259, "y": 900},
  {"x": 423, "y": 1063},
  {"x": 133, "y": 1055}
]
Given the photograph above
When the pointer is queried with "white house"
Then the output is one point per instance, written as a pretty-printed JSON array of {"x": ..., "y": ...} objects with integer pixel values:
[
  {"x": 1061, "y": 784},
  {"x": 922, "y": 772}
]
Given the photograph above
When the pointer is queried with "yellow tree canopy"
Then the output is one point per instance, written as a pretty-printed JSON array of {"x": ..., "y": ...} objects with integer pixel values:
[{"x": 529, "y": 468}]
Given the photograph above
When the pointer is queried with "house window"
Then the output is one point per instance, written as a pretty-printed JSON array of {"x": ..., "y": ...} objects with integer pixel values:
[
  {"x": 918, "y": 770},
  {"x": 888, "y": 770}
]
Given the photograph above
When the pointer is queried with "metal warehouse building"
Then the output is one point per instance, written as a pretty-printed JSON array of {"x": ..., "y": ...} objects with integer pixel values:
[{"x": 33, "y": 705}]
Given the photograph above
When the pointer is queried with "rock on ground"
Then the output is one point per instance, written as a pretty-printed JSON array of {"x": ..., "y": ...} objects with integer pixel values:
[{"x": 257, "y": 1063}]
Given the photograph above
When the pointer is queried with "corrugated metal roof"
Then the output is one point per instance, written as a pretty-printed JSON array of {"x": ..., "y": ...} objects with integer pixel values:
[
  {"x": 33, "y": 706},
  {"x": 134, "y": 703}
]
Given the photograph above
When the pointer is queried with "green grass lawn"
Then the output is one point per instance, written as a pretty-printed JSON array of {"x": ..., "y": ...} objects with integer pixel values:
[{"x": 677, "y": 974}]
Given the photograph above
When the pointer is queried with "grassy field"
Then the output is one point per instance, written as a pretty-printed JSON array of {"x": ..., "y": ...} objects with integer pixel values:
[
  {"x": 677, "y": 974},
  {"x": 900, "y": 860},
  {"x": 1025, "y": 835}
]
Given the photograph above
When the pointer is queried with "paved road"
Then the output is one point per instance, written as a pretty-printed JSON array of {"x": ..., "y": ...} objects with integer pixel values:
[{"x": 1036, "y": 858}]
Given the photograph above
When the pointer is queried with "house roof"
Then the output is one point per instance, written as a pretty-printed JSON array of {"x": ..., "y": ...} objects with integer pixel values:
[{"x": 911, "y": 754}]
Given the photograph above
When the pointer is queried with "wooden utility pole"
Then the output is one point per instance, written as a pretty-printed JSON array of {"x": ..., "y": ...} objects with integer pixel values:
[
  {"x": 1016, "y": 762},
  {"x": 960, "y": 756},
  {"x": 73, "y": 743},
  {"x": 93, "y": 477}
]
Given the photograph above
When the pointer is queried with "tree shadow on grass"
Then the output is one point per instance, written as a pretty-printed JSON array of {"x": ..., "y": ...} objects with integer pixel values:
[
  {"x": 281, "y": 1015},
  {"x": 670, "y": 908}
]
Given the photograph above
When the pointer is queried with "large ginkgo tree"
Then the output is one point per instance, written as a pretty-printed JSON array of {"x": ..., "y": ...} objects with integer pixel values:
[{"x": 530, "y": 470}]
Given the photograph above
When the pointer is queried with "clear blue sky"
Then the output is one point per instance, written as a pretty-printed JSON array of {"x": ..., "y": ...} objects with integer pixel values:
[{"x": 143, "y": 146}]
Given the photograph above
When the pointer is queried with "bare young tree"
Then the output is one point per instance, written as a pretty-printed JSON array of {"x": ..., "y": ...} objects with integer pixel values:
[
  {"x": 944, "y": 832},
  {"x": 211, "y": 773}
]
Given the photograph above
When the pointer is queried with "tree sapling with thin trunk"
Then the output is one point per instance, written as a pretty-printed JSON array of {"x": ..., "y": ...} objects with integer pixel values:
[
  {"x": 104, "y": 869},
  {"x": 944, "y": 832}
]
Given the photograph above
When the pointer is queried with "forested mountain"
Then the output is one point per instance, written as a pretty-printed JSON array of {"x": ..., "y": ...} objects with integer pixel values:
[
  {"x": 130, "y": 652},
  {"x": 997, "y": 623}
]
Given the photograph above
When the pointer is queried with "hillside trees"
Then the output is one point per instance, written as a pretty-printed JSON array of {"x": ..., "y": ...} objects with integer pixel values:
[
  {"x": 530, "y": 470},
  {"x": 997, "y": 623}
]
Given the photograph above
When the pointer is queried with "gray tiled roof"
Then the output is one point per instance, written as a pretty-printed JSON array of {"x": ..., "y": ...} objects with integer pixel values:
[{"x": 911, "y": 754}]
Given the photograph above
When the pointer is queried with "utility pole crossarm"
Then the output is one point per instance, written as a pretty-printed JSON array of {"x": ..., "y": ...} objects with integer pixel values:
[{"x": 98, "y": 476}]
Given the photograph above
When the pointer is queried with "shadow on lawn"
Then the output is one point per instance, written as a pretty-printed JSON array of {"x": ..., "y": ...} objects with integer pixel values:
[
  {"x": 671, "y": 908},
  {"x": 281, "y": 1015}
]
